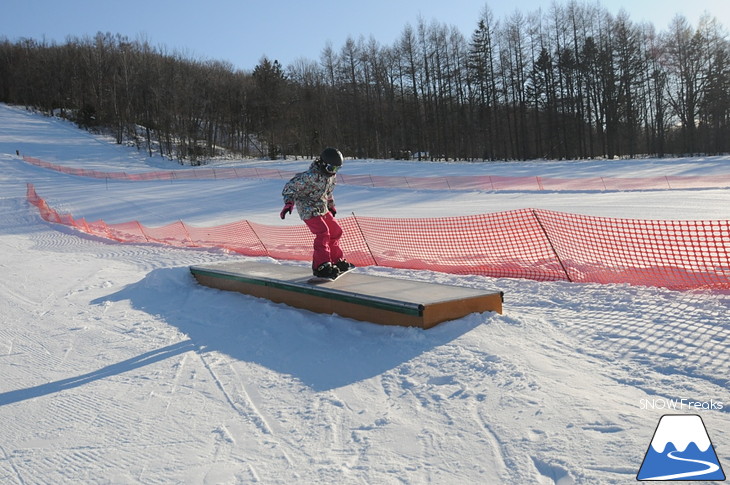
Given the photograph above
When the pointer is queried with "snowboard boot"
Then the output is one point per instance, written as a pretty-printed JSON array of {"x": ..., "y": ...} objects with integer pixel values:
[
  {"x": 327, "y": 270},
  {"x": 343, "y": 265}
]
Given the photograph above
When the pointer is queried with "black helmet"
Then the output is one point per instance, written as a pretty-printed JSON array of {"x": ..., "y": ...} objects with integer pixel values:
[{"x": 330, "y": 160}]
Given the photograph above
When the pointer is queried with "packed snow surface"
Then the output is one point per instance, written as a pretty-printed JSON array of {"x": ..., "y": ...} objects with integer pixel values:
[{"x": 116, "y": 367}]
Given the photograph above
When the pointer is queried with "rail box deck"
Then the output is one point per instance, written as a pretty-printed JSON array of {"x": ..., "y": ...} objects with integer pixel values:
[{"x": 372, "y": 298}]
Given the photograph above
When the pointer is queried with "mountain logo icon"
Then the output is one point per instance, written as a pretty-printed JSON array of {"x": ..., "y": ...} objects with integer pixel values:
[{"x": 681, "y": 450}]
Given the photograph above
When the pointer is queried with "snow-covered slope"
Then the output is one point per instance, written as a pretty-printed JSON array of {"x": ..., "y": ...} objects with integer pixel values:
[{"x": 116, "y": 367}]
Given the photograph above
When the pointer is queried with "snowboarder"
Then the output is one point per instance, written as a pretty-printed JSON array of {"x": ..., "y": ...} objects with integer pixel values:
[{"x": 311, "y": 193}]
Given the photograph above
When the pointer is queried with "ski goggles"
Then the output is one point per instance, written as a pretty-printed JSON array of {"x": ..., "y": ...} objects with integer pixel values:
[{"x": 329, "y": 168}]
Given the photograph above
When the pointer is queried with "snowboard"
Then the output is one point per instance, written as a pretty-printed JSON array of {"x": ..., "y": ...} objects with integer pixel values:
[{"x": 318, "y": 280}]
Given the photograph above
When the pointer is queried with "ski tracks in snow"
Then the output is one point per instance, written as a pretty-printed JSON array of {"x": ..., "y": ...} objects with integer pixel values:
[
  {"x": 14, "y": 473},
  {"x": 238, "y": 398}
]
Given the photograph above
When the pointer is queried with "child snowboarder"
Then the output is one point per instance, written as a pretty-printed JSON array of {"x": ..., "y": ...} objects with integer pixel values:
[{"x": 311, "y": 192}]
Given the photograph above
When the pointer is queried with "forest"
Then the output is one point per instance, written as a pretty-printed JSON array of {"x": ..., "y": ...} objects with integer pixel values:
[{"x": 571, "y": 82}]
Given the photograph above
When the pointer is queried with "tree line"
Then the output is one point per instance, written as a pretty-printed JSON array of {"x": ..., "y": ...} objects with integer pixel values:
[{"x": 573, "y": 81}]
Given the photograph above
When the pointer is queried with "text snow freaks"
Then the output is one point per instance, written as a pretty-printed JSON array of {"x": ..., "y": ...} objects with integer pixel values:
[{"x": 681, "y": 404}]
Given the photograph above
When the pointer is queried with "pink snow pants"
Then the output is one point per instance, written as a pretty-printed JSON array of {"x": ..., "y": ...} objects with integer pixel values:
[{"x": 327, "y": 233}]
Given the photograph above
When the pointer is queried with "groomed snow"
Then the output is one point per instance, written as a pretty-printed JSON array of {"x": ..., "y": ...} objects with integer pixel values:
[{"x": 116, "y": 367}]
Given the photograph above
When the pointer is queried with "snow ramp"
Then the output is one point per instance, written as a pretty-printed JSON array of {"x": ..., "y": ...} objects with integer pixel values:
[{"x": 365, "y": 297}]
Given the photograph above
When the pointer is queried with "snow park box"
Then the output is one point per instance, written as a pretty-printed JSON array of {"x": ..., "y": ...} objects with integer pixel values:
[{"x": 370, "y": 298}]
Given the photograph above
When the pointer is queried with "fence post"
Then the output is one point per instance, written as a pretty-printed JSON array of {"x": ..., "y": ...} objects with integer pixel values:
[
  {"x": 187, "y": 234},
  {"x": 550, "y": 242},
  {"x": 362, "y": 234},
  {"x": 142, "y": 231},
  {"x": 266, "y": 250}
]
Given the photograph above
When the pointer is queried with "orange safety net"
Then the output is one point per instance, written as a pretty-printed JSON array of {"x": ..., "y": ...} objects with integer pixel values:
[
  {"x": 477, "y": 182},
  {"x": 528, "y": 243}
]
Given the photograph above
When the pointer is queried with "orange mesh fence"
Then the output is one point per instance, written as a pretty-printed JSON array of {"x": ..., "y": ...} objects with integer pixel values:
[
  {"x": 478, "y": 182},
  {"x": 504, "y": 244},
  {"x": 676, "y": 254},
  {"x": 529, "y": 243}
]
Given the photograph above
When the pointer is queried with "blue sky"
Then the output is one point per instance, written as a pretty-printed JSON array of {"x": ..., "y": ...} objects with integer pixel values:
[{"x": 243, "y": 31}]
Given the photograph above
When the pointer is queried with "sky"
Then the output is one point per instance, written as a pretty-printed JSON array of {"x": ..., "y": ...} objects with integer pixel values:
[{"x": 242, "y": 32}]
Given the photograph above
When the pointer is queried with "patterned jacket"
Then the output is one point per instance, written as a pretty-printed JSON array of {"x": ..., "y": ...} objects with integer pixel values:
[{"x": 311, "y": 192}]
